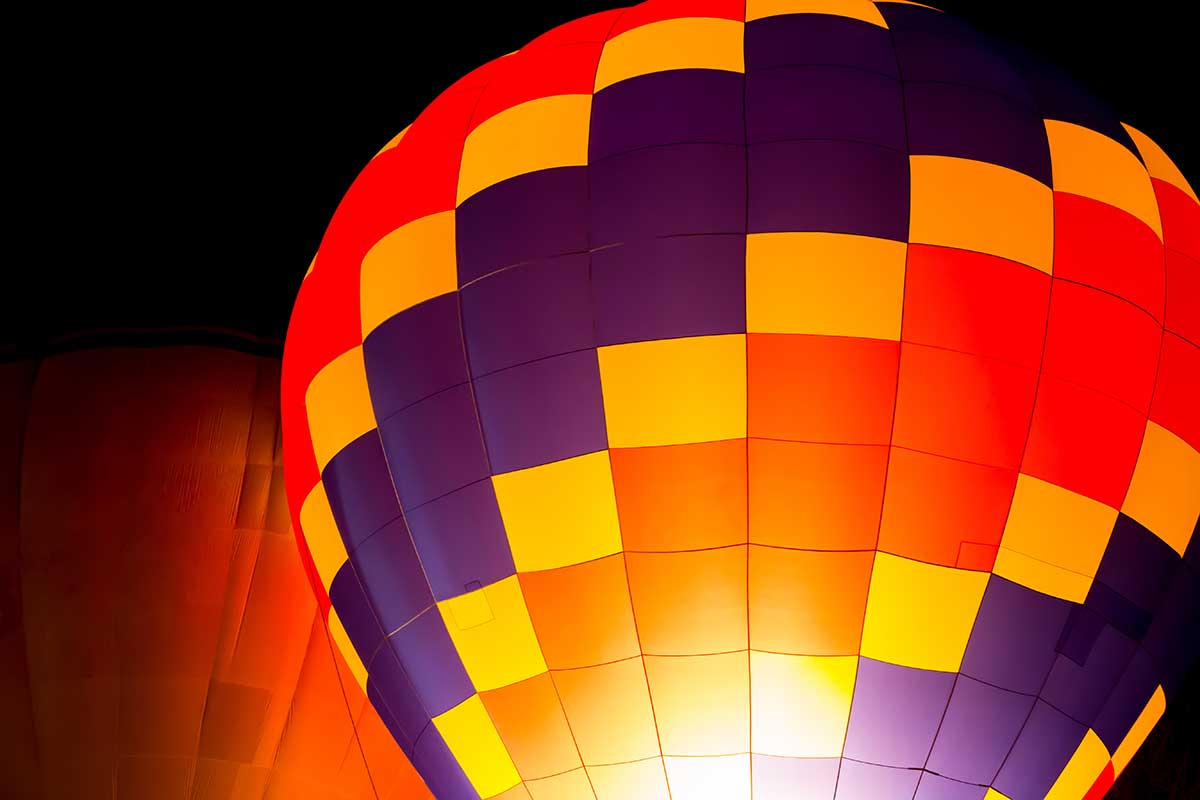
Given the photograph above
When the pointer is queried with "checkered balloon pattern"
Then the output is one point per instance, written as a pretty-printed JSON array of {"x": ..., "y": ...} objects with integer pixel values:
[{"x": 779, "y": 399}]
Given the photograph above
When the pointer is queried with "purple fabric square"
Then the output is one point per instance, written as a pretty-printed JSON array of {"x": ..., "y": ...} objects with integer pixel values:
[
  {"x": 527, "y": 312},
  {"x": 820, "y": 102},
  {"x": 440, "y": 769},
  {"x": 859, "y": 781},
  {"x": 895, "y": 713},
  {"x": 359, "y": 487},
  {"x": 1126, "y": 701},
  {"x": 960, "y": 56},
  {"x": 1080, "y": 691},
  {"x": 1080, "y": 633},
  {"x": 669, "y": 190},
  {"x": 431, "y": 663},
  {"x": 543, "y": 411},
  {"x": 668, "y": 288},
  {"x": 779, "y": 778},
  {"x": 393, "y": 696},
  {"x": 679, "y": 105},
  {"x": 354, "y": 610},
  {"x": 937, "y": 787},
  {"x": 461, "y": 540},
  {"x": 434, "y": 447},
  {"x": 1046, "y": 743},
  {"x": 1137, "y": 564},
  {"x": 1118, "y": 610},
  {"x": 532, "y": 216},
  {"x": 979, "y": 729},
  {"x": 415, "y": 354},
  {"x": 839, "y": 187},
  {"x": 1191, "y": 554},
  {"x": 391, "y": 575},
  {"x": 1173, "y": 640},
  {"x": 1013, "y": 642},
  {"x": 796, "y": 39}
]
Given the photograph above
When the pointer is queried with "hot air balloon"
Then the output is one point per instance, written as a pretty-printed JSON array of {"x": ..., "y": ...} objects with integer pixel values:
[{"x": 789, "y": 398}]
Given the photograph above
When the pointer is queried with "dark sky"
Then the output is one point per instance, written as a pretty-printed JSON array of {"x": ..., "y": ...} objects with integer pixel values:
[{"x": 186, "y": 177}]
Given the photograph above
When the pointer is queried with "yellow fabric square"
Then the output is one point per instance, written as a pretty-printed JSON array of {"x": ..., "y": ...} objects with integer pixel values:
[
  {"x": 1077, "y": 777},
  {"x": 339, "y": 405},
  {"x": 560, "y": 513},
  {"x": 920, "y": 615},
  {"x": 476, "y": 746},
  {"x": 1155, "y": 707},
  {"x": 1164, "y": 494},
  {"x": 571, "y": 785},
  {"x": 686, "y": 43},
  {"x": 1090, "y": 164},
  {"x": 724, "y": 777},
  {"x": 535, "y": 135},
  {"x": 701, "y": 703},
  {"x": 824, "y": 283},
  {"x": 863, "y": 10},
  {"x": 645, "y": 780},
  {"x": 674, "y": 391},
  {"x": 410, "y": 265},
  {"x": 800, "y": 704},
  {"x": 321, "y": 534},
  {"x": 500, "y": 651},
  {"x": 608, "y": 708},
  {"x": 1054, "y": 539},
  {"x": 337, "y": 632},
  {"x": 1158, "y": 163},
  {"x": 973, "y": 205}
]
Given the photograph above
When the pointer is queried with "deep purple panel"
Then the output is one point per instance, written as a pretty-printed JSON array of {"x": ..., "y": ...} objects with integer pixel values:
[
  {"x": 461, "y": 540},
  {"x": 1173, "y": 640},
  {"x": 824, "y": 103},
  {"x": 951, "y": 120},
  {"x": 1080, "y": 633},
  {"x": 440, "y": 769},
  {"x": 840, "y": 187},
  {"x": 434, "y": 446},
  {"x": 1080, "y": 691},
  {"x": 679, "y": 105},
  {"x": 859, "y": 781},
  {"x": 979, "y": 728},
  {"x": 528, "y": 311},
  {"x": 543, "y": 411},
  {"x": 797, "y": 39},
  {"x": 414, "y": 354},
  {"x": 1127, "y": 700},
  {"x": 906, "y": 17},
  {"x": 393, "y": 696},
  {"x": 1046, "y": 743},
  {"x": 1192, "y": 553},
  {"x": 355, "y": 612},
  {"x": 360, "y": 489},
  {"x": 664, "y": 191},
  {"x": 778, "y": 778},
  {"x": 531, "y": 216},
  {"x": 895, "y": 713},
  {"x": 1013, "y": 642},
  {"x": 432, "y": 664},
  {"x": 668, "y": 288},
  {"x": 1137, "y": 564},
  {"x": 1117, "y": 610},
  {"x": 937, "y": 787},
  {"x": 391, "y": 575}
]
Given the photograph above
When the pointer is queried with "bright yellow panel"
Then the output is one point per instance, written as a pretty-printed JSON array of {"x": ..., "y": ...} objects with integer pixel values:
[
  {"x": 863, "y": 10},
  {"x": 475, "y": 744},
  {"x": 709, "y": 778},
  {"x": 644, "y": 780},
  {"x": 572, "y": 785},
  {"x": 992, "y": 794},
  {"x": 337, "y": 632},
  {"x": 674, "y": 391},
  {"x": 687, "y": 43},
  {"x": 801, "y": 704},
  {"x": 539, "y": 134},
  {"x": 824, "y": 283},
  {"x": 702, "y": 703},
  {"x": 1054, "y": 539},
  {"x": 499, "y": 651},
  {"x": 410, "y": 265},
  {"x": 972, "y": 205},
  {"x": 1090, "y": 164},
  {"x": 560, "y": 513},
  {"x": 321, "y": 534},
  {"x": 1158, "y": 163},
  {"x": 1164, "y": 494},
  {"x": 1081, "y": 771},
  {"x": 339, "y": 405},
  {"x": 1156, "y": 706},
  {"x": 608, "y": 707},
  {"x": 920, "y": 615}
]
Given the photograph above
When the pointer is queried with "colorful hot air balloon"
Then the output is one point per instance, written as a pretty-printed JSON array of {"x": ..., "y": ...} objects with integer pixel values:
[{"x": 791, "y": 398}]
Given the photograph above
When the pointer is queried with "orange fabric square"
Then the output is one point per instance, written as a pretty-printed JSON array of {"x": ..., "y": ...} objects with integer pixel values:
[
  {"x": 816, "y": 496},
  {"x": 689, "y": 603},
  {"x": 581, "y": 613},
  {"x": 821, "y": 388},
  {"x": 608, "y": 708},
  {"x": 1083, "y": 441},
  {"x": 702, "y": 703},
  {"x": 807, "y": 603},
  {"x": 963, "y": 406},
  {"x": 933, "y": 505},
  {"x": 533, "y": 727},
  {"x": 681, "y": 497},
  {"x": 1176, "y": 390},
  {"x": 1102, "y": 342},
  {"x": 975, "y": 303}
]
